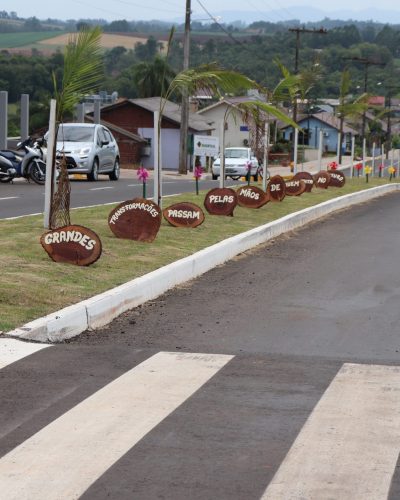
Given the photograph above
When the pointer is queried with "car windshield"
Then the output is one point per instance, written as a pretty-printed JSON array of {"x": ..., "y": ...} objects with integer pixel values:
[
  {"x": 235, "y": 153},
  {"x": 75, "y": 134}
]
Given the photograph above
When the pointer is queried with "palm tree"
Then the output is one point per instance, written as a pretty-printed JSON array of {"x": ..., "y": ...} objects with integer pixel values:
[{"x": 152, "y": 77}]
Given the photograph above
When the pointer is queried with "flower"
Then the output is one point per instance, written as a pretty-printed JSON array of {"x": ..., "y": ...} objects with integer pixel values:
[
  {"x": 358, "y": 166},
  {"x": 198, "y": 172},
  {"x": 333, "y": 165},
  {"x": 248, "y": 166},
  {"x": 391, "y": 170},
  {"x": 381, "y": 167},
  {"x": 368, "y": 170},
  {"x": 142, "y": 174}
]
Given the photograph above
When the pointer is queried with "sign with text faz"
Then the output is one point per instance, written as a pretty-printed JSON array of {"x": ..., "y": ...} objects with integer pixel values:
[
  {"x": 221, "y": 201},
  {"x": 184, "y": 214},
  {"x": 276, "y": 188},
  {"x": 337, "y": 179},
  {"x": 205, "y": 145},
  {"x": 322, "y": 179},
  {"x": 73, "y": 245},
  {"x": 138, "y": 219},
  {"x": 251, "y": 197},
  {"x": 307, "y": 178}
]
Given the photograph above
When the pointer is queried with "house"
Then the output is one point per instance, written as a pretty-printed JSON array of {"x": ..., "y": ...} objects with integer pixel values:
[
  {"x": 237, "y": 131},
  {"x": 329, "y": 124},
  {"x": 136, "y": 116}
]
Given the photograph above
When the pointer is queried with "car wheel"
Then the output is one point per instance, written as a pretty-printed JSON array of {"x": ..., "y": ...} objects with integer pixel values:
[
  {"x": 235, "y": 177},
  {"x": 255, "y": 176},
  {"x": 114, "y": 176},
  {"x": 94, "y": 174},
  {"x": 214, "y": 177}
]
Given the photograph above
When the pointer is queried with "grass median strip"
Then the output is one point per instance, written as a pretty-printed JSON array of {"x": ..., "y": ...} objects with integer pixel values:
[{"x": 31, "y": 285}]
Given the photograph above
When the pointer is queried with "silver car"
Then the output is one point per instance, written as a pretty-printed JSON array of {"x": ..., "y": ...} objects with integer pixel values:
[{"x": 89, "y": 149}]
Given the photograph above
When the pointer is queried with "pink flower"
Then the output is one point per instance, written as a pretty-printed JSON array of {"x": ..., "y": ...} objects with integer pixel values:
[
  {"x": 198, "y": 172},
  {"x": 381, "y": 167},
  {"x": 358, "y": 166},
  {"x": 142, "y": 174}
]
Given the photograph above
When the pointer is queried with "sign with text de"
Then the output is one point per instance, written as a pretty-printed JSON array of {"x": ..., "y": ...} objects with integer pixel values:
[
  {"x": 72, "y": 245},
  {"x": 138, "y": 219},
  {"x": 276, "y": 188}
]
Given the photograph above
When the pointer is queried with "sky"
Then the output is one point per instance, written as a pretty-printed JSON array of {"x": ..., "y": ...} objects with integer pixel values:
[{"x": 172, "y": 9}]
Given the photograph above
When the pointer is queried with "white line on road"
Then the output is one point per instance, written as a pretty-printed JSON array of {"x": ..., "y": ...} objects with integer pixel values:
[
  {"x": 101, "y": 189},
  {"x": 349, "y": 446},
  {"x": 12, "y": 350},
  {"x": 67, "y": 456},
  {"x": 10, "y": 198}
]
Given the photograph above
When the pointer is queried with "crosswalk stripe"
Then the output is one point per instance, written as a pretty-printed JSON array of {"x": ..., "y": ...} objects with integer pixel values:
[
  {"x": 349, "y": 446},
  {"x": 12, "y": 350},
  {"x": 67, "y": 456}
]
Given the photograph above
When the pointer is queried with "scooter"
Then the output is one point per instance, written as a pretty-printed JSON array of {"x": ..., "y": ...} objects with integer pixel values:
[{"x": 30, "y": 165}]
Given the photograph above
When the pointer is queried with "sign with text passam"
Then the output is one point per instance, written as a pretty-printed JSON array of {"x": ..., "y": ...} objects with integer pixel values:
[{"x": 205, "y": 145}]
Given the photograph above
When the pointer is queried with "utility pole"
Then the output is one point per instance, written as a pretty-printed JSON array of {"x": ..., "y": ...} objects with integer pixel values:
[
  {"x": 298, "y": 32},
  {"x": 185, "y": 97},
  {"x": 367, "y": 63}
]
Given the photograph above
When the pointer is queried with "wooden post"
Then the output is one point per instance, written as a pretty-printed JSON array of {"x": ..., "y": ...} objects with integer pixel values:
[
  {"x": 265, "y": 162},
  {"x": 296, "y": 150},
  {"x": 222, "y": 157},
  {"x": 353, "y": 148},
  {"x": 156, "y": 179},
  {"x": 50, "y": 165},
  {"x": 321, "y": 139}
]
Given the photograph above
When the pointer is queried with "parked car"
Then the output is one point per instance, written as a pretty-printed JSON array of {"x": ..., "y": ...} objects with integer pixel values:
[
  {"x": 89, "y": 149},
  {"x": 237, "y": 162}
]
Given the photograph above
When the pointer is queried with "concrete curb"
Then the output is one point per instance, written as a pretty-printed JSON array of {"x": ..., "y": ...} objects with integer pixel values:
[{"x": 103, "y": 308}]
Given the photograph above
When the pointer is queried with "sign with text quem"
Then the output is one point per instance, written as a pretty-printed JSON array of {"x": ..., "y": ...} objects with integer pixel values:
[
  {"x": 73, "y": 245},
  {"x": 251, "y": 197},
  {"x": 184, "y": 214},
  {"x": 276, "y": 188},
  {"x": 295, "y": 187},
  {"x": 307, "y": 178},
  {"x": 138, "y": 219},
  {"x": 205, "y": 145},
  {"x": 221, "y": 201}
]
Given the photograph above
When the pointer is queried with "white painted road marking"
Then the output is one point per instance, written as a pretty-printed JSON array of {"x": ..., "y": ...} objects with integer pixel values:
[
  {"x": 10, "y": 198},
  {"x": 12, "y": 350},
  {"x": 67, "y": 456},
  {"x": 101, "y": 189},
  {"x": 349, "y": 446}
]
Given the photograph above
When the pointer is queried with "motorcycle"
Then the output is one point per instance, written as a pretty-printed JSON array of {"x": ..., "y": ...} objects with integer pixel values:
[{"x": 30, "y": 165}]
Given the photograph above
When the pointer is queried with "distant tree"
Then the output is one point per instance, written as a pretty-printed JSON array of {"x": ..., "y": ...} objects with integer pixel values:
[
  {"x": 121, "y": 26},
  {"x": 33, "y": 24},
  {"x": 152, "y": 78}
]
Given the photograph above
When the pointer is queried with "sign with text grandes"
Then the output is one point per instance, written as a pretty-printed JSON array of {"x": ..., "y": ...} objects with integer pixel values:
[
  {"x": 184, "y": 214},
  {"x": 138, "y": 219},
  {"x": 73, "y": 245},
  {"x": 221, "y": 201},
  {"x": 205, "y": 145},
  {"x": 251, "y": 197}
]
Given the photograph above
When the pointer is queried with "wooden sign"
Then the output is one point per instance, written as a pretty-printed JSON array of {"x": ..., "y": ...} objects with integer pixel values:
[
  {"x": 322, "y": 179},
  {"x": 276, "y": 188},
  {"x": 295, "y": 187},
  {"x": 337, "y": 178},
  {"x": 221, "y": 201},
  {"x": 184, "y": 214},
  {"x": 251, "y": 197},
  {"x": 138, "y": 219},
  {"x": 307, "y": 178},
  {"x": 73, "y": 245}
]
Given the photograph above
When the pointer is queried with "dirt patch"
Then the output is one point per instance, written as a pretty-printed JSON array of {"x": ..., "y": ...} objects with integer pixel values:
[{"x": 107, "y": 40}]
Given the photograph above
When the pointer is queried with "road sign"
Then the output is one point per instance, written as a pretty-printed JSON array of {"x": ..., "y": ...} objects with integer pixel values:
[{"x": 205, "y": 145}]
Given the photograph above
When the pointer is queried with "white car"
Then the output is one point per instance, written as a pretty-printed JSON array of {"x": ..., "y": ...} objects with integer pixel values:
[
  {"x": 89, "y": 149},
  {"x": 237, "y": 163}
]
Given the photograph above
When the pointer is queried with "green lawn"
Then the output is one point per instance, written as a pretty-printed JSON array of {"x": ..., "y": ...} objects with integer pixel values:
[
  {"x": 12, "y": 40},
  {"x": 31, "y": 285}
]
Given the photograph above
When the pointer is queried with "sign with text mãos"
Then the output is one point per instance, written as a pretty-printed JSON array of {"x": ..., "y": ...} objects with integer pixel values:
[
  {"x": 276, "y": 188},
  {"x": 221, "y": 201},
  {"x": 73, "y": 245},
  {"x": 322, "y": 179},
  {"x": 138, "y": 219},
  {"x": 337, "y": 178},
  {"x": 251, "y": 197},
  {"x": 295, "y": 187},
  {"x": 184, "y": 214},
  {"x": 307, "y": 178}
]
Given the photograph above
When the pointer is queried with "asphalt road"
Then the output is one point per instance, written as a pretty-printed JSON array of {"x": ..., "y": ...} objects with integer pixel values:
[
  {"x": 23, "y": 198},
  {"x": 282, "y": 382}
]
